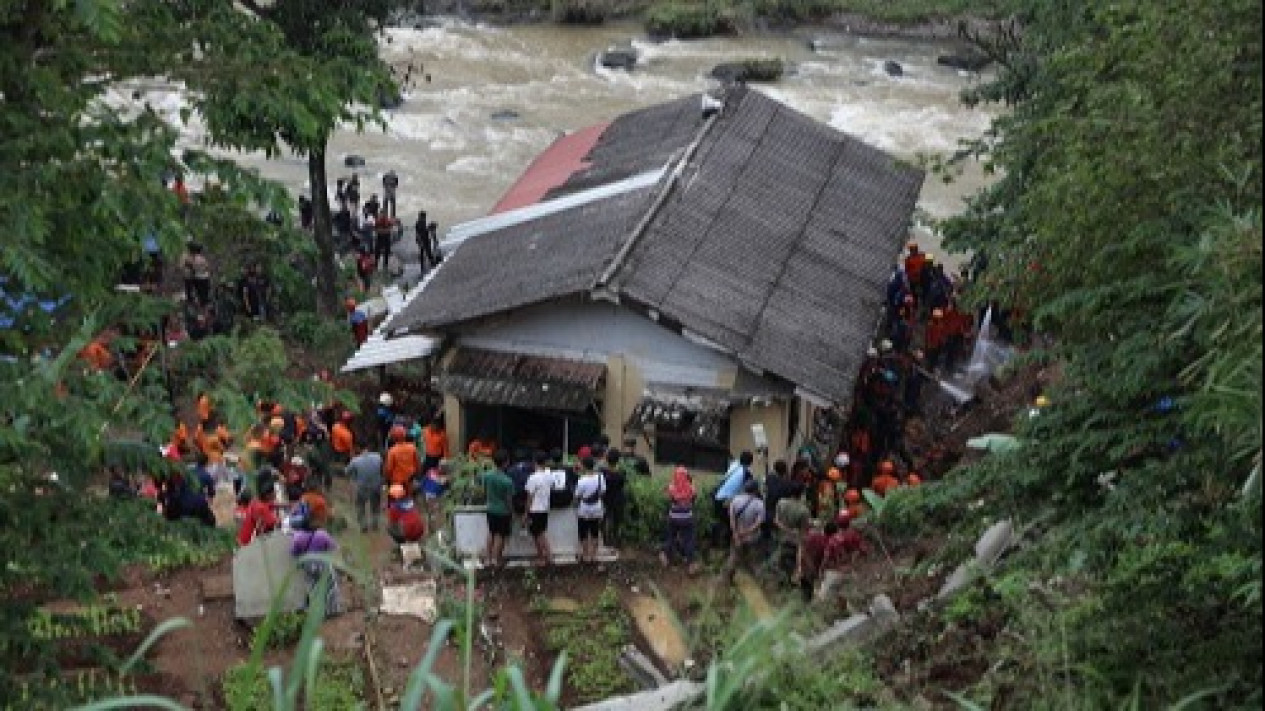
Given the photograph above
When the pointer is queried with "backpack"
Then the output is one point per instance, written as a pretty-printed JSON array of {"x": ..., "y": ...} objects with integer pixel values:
[{"x": 562, "y": 493}]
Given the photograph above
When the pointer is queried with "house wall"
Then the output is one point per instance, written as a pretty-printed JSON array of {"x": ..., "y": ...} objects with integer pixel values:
[
  {"x": 774, "y": 417},
  {"x": 637, "y": 353}
]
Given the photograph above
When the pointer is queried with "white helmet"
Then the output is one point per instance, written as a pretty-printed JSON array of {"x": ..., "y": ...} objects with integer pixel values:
[
  {"x": 842, "y": 460},
  {"x": 297, "y": 461},
  {"x": 871, "y": 352},
  {"x": 885, "y": 345},
  {"x": 386, "y": 399}
]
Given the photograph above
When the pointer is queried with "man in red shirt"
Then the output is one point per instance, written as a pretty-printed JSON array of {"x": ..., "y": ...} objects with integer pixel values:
[
  {"x": 842, "y": 549},
  {"x": 812, "y": 552},
  {"x": 404, "y": 522},
  {"x": 914, "y": 262},
  {"x": 260, "y": 515}
]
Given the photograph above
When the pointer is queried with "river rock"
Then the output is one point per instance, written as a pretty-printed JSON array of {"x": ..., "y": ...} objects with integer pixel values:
[
  {"x": 893, "y": 68},
  {"x": 354, "y": 161},
  {"x": 966, "y": 60},
  {"x": 750, "y": 70},
  {"x": 505, "y": 115},
  {"x": 618, "y": 58}
]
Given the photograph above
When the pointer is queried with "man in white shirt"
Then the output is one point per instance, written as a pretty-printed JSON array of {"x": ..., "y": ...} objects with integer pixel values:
[
  {"x": 589, "y": 491},
  {"x": 539, "y": 487}
]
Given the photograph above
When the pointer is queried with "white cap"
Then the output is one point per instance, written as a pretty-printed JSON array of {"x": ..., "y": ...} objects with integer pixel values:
[
  {"x": 871, "y": 351},
  {"x": 297, "y": 461},
  {"x": 842, "y": 460},
  {"x": 386, "y": 399},
  {"x": 885, "y": 345}
]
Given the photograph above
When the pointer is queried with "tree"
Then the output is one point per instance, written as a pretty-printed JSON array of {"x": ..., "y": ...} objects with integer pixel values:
[
  {"x": 1127, "y": 226},
  {"x": 82, "y": 180},
  {"x": 323, "y": 71}
]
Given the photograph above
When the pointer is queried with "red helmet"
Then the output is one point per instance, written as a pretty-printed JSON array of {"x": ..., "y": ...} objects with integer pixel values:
[
  {"x": 852, "y": 496},
  {"x": 909, "y": 299},
  {"x": 398, "y": 433},
  {"x": 886, "y": 466}
]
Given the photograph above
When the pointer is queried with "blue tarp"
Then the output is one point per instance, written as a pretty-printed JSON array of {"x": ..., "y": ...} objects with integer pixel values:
[{"x": 13, "y": 306}]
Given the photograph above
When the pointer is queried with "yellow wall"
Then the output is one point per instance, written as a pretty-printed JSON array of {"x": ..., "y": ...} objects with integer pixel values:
[
  {"x": 624, "y": 386},
  {"x": 454, "y": 425},
  {"x": 773, "y": 416}
]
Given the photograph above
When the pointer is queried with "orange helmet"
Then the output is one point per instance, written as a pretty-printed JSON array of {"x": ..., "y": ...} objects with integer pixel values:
[
  {"x": 397, "y": 433},
  {"x": 886, "y": 466},
  {"x": 396, "y": 491},
  {"x": 913, "y": 479},
  {"x": 852, "y": 496},
  {"x": 833, "y": 474},
  {"x": 937, "y": 313}
]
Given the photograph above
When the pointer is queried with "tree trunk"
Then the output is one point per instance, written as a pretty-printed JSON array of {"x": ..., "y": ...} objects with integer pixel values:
[{"x": 327, "y": 287}]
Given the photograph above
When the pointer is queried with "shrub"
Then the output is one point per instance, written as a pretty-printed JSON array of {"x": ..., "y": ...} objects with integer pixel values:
[{"x": 685, "y": 20}]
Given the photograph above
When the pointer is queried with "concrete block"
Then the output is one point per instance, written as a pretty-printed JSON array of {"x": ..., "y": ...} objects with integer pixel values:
[
  {"x": 996, "y": 540},
  {"x": 675, "y": 695},
  {"x": 883, "y": 612},
  {"x": 471, "y": 535},
  {"x": 414, "y": 599},
  {"x": 260, "y": 570}
]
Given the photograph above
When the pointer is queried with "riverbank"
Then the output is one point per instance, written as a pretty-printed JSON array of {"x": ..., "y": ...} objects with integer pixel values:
[{"x": 929, "y": 20}]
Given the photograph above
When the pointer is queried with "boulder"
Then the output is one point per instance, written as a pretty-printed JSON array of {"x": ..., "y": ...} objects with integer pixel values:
[
  {"x": 505, "y": 115},
  {"x": 893, "y": 68},
  {"x": 966, "y": 61},
  {"x": 618, "y": 58},
  {"x": 354, "y": 161},
  {"x": 749, "y": 70}
]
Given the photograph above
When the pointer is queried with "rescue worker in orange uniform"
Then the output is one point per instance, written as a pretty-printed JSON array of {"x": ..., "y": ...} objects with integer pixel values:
[
  {"x": 402, "y": 464},
  {"x": 341, "y": 439},
  {"x": 886, "y": 479}
]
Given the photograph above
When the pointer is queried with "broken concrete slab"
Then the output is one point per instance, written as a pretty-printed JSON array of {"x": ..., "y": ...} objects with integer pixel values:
[
  {"x": 413, "y": 599},
  {"x": 957, "y": 580},
  {"x": 262, "y": 570},
  {"x": 848, "y": 633},
  {"x": 656, "y": 623},
  {"x": 675, "y": 695},
  {"x": 411, "y": 555},
  {"x": 994, "y": 542},
  {"x": 639, "y": 667}
]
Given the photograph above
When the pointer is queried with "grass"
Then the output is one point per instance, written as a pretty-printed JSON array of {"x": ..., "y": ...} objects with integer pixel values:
[{"x": 592, "y": 639}]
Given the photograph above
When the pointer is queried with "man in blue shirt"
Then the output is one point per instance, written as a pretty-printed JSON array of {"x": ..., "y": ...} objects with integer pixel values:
[{"x": 738, "y": 474}]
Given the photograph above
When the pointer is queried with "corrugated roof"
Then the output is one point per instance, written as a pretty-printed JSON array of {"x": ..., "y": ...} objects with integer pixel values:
[
  {"x": 637, "y": 142},
  {"x": 496, "y": 378},
  {"x": 551, "y": 169},
  {"x": 778, "y": 243},
  {"x": 556, "y": 255},
  {"x": 775, "y": 243}
]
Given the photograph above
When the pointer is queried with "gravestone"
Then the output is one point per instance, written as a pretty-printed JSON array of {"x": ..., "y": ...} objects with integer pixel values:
[{"x": 260, "y": 570}]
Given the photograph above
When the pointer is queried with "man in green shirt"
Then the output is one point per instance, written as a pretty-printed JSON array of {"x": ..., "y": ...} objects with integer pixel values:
[
  {"x": 499, "y": 491},
  {"x": 790, "y": 522}
]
